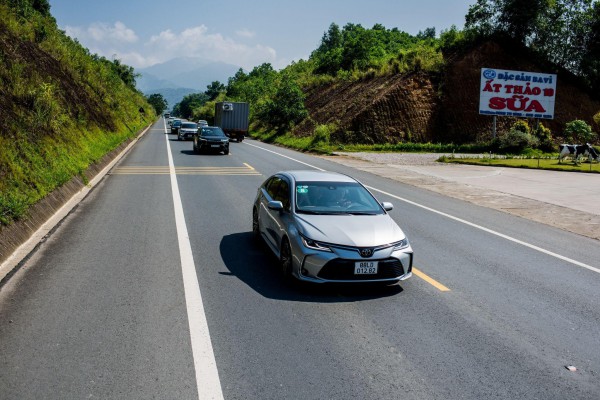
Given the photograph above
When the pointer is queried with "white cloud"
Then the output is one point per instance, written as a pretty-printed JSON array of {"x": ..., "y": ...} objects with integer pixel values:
[
  {"x": 198, "y": 42},
  {"x": 118, "y": 41},
  {"x": 104, "y": 33},
  {"x": 245, "y": 33}
]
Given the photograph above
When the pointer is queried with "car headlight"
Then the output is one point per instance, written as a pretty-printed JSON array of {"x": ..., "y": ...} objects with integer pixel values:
[
  {"x": 314, "y": 245},
  {"x": 224, "y": 140},
  {"x": 401, "y": 244}
]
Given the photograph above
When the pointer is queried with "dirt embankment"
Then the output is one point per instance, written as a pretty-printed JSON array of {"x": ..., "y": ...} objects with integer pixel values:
[{"x": 425, "y": 107}]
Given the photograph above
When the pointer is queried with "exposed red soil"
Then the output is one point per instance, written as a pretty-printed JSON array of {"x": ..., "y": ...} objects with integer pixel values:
[{"x": 425, "y": 107}]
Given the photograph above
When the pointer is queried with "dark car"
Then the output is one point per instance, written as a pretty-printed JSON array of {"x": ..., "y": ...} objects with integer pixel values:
[
  {"x": 211, "y": 138},
  {"x": 175, "y": 125},
  {"x": 187, "y": 130}
]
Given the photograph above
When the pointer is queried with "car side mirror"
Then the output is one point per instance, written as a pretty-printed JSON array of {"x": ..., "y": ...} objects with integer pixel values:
[
  {"x": 275, "y": 205},
  {"x": 387, "y": 206}
]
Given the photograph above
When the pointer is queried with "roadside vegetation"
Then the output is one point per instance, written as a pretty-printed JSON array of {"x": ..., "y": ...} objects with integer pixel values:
[
  {"x": 63, "y": 108},
  {"x": 548, "y": 162},
  {"x": 560, "y": 33}
]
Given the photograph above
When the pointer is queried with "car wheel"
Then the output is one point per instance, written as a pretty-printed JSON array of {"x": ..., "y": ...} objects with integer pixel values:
[
  {"x": 226, "y": 151},
  {"x": 285, "y": 259}
]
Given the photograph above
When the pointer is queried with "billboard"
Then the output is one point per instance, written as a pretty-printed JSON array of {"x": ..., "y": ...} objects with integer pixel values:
[{"x": 517, "y": 93}]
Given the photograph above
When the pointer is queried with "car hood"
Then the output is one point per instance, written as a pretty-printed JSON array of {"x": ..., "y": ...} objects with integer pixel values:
[{"x": 350, "y": 230}]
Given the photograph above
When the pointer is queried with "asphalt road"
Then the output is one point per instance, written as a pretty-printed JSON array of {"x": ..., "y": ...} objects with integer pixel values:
[{"x": 115, "y": 305}]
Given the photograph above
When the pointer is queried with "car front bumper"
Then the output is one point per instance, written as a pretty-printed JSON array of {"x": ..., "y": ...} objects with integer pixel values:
[
  {"x": 205, "y": 145},
  {"x": 338, "y": 266}
]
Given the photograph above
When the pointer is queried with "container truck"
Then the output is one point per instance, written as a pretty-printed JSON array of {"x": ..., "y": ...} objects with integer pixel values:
[{"x": 232, "y": 117}]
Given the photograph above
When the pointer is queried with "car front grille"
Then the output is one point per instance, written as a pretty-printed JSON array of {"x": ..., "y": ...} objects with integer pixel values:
[{"x": 343, "y": 270}]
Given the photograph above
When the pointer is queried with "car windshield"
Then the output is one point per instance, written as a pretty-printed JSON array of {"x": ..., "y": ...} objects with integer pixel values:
[
  {"x": 212, "y": 132},
  {"x": 189, "y": 125},
  {"x": 335, "y": 198}
]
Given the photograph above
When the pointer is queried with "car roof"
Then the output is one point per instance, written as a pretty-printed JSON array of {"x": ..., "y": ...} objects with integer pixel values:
[{"x": 318, "y": 176}]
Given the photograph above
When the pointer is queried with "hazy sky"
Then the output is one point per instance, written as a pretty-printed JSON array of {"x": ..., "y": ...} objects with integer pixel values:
[{"x": 244, "y": 33}]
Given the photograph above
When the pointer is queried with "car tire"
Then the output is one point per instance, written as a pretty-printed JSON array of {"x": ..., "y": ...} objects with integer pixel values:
[
  {"x": 285, "y": 260},
  {"x": 226, "y": 151}
]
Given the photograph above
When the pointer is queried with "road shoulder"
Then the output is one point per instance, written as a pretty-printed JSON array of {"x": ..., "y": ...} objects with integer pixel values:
[{"x": 565, "y": 218}]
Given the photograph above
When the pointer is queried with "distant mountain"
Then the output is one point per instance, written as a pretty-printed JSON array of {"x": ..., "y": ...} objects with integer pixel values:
[
  {"x": 181, "y": 76},
  {"x": 184, "y": 72},
  {"x": 172, "y": 95}
]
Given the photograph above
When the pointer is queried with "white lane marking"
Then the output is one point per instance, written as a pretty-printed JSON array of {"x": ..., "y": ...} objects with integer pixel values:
[
  {"x": 284, "y": 156},
  {"x": 514, "y": 240},
  {"x": 510, "y": 238},
  {"x": 207, "y": 375}
]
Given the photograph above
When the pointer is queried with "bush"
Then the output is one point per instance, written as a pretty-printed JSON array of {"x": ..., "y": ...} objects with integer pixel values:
[
  {"x": 579, "y": 130},
  {"x": 517, "y": 141},
  {"x": 521, "y": 125},
  {"x": 322, "y": 136},
  {"x": 544, "y": 135}
]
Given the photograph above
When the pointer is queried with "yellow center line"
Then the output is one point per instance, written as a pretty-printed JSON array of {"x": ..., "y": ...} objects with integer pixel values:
[
  {"x": 165, "y": 170},
  {"x": 430, "y": 280}
]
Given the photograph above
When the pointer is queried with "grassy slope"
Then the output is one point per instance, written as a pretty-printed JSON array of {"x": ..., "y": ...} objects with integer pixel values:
[{"x": 62, "y": 110}]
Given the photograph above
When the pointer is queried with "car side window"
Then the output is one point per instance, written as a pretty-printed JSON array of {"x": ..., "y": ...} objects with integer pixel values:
[
  {"x": 272, "y": 187},
  {"x": 283, "y": 195},
  {"x": 279, "y": 190}
]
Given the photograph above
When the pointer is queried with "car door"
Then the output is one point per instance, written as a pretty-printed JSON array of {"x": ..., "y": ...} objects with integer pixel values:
[
  {"x": 281, "y": 219},
  {"x": 275, "y": 189}
]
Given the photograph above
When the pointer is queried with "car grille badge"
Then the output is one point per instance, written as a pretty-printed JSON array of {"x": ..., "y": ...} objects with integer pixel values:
[{"x": 367, "y": 252}]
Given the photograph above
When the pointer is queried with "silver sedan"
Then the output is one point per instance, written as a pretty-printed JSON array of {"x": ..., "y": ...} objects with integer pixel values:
[{"x": 327, "y": 227}]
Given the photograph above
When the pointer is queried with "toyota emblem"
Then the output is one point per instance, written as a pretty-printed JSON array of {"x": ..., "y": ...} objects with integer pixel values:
[{"x": 366, "y": 252}]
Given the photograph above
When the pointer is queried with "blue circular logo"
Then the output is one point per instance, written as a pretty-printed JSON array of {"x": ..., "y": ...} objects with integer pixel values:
[{"x": 489, "y": 74}]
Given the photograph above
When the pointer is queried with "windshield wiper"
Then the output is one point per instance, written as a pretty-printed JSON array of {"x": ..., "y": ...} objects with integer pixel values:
[{"x": 309, "y": 212}]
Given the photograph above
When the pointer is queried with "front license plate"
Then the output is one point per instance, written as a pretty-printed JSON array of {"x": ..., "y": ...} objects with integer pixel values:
[
  {"x": 215, "y": 145},
  {"x": 365, "y": 267}
]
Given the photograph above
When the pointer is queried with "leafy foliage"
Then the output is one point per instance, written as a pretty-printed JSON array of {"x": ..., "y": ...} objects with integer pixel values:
[
  {"x": 579, "y": 131},
  {"x": 565, "y": 32},
  {"x": 63, "y": 108},
  {"x": 185, "y": 108},
  {"x": 517, "y": 139},
  {"x": 214, "y": 89},
  {"x": 157, "y": 101},
  {"x": 544, "y": 136},
  {"x": 286, "y": 108},
  {"x": 357, "y": 48}
]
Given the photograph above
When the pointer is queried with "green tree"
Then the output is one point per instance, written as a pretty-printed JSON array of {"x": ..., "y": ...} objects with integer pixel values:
[
  {"x": 158, "y": 102},
  {"x": 125, "y": 72},
  {"x": 429, "y": 33},
  {"x": 24, "y": 8},
  {"x": 328, "y": 56},
  {"x": 214, "y": 89},
  {"x": 186, "y": 107},
  {"x": 286, "y": 108},
  {"x": 580, "y": 131},
  {"x": 590, "y": 63}
]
